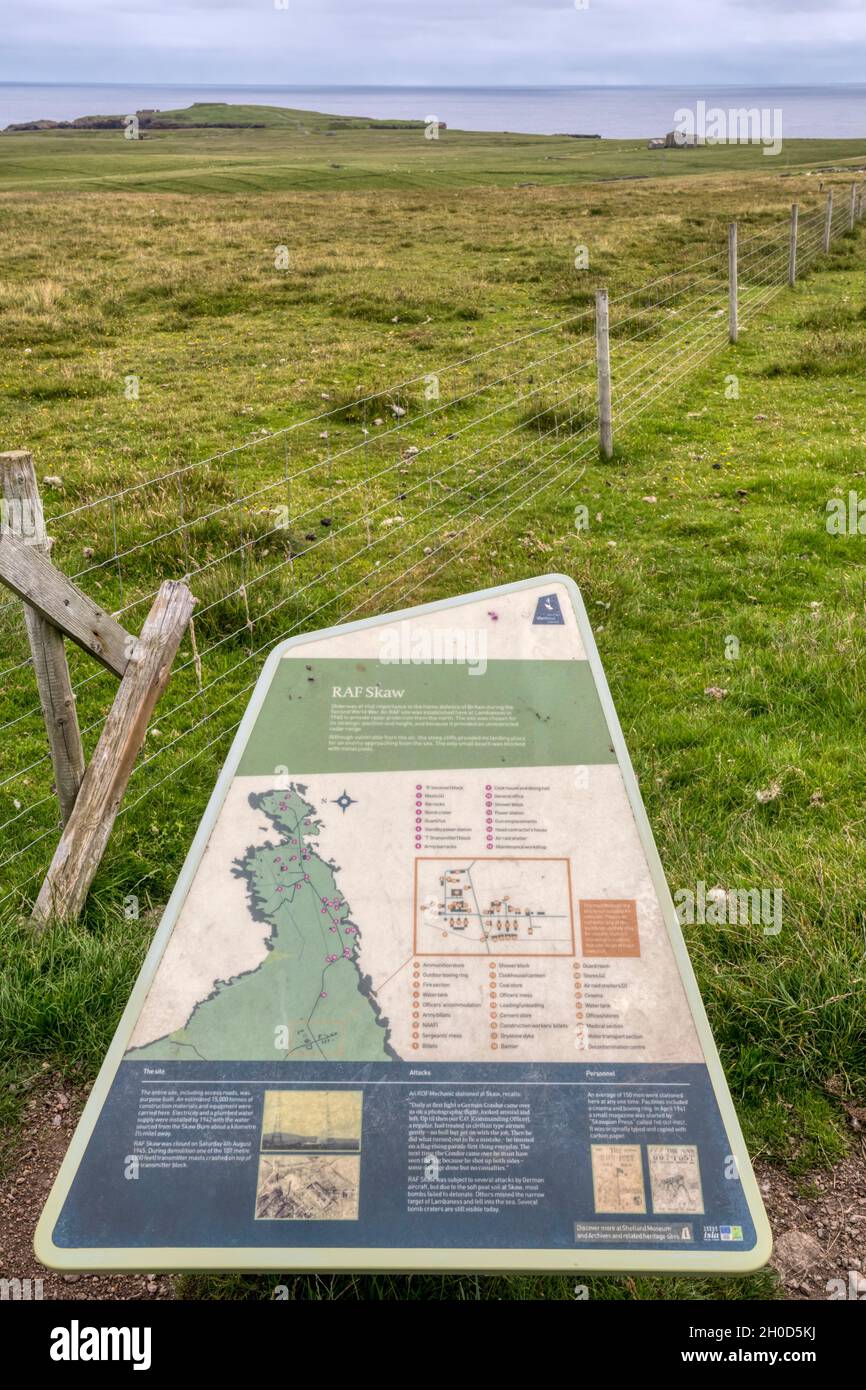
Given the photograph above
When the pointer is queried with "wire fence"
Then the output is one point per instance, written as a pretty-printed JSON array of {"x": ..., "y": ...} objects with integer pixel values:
[{"x": 346, "y": 512}]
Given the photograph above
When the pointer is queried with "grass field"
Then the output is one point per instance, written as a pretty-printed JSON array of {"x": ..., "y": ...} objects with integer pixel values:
[
  {"x": 709, "y": 522},
  {"x": 310, "y": 151}
]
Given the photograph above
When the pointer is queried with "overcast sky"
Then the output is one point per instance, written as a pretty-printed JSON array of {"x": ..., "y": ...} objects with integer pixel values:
[{"x": 433, "y": 42}]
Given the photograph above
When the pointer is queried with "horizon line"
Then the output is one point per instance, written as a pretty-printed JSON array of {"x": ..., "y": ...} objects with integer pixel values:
[{"x": 450, "y": 87}]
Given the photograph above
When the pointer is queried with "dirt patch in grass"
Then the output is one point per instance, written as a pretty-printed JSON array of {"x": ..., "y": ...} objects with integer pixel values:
[
  {"x": 50, "y": 1117},
  {"x": 829, "y": 1207}
]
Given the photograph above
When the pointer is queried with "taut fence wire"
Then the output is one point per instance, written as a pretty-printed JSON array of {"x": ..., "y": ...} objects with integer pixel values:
[{"x": 349, "y": 511}]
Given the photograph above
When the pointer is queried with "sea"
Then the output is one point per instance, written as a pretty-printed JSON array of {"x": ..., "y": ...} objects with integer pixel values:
[{"x": 613, "y": 112}]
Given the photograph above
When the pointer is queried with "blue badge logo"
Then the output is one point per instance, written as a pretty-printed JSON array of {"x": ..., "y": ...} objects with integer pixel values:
[
  {"x": 731, "y": 1232},
  {"x": 547, "y": 610}
]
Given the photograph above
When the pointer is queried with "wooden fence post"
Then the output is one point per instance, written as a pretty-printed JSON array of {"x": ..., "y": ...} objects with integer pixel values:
[
  {"x": 23, "y": 519},
  {"x": 602, "y": 353},
  {"x": 852, "y": 218},
  {"x": 828, "y": 223},
  {"x": 83, "y": 842},
  {"x": 60, "y": 602},
  {"x": 733, "y": 285},
  {"x": 792, "y": 257}
]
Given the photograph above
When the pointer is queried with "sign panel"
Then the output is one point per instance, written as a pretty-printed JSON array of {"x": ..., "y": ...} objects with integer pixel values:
[{"x": 420, "y": 999}]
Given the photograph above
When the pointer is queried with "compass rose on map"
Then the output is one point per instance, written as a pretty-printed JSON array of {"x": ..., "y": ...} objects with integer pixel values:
[{"x": 344, "y": 802}]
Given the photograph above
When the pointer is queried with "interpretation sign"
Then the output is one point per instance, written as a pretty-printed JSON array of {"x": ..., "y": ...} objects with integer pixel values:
[{"x": 420, "y": 999}]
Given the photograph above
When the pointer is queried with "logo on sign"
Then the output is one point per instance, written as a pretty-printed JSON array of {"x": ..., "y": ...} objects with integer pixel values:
[
  {"x": 731, "y": 1232},
  {"x": 547, "y": 610}
]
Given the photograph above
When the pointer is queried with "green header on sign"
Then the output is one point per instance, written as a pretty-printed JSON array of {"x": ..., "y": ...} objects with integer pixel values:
[{"x": 343, "y": 715}]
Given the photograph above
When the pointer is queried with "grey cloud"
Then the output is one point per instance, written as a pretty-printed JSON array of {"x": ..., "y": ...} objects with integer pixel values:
[{"x": 533, "y": 42}]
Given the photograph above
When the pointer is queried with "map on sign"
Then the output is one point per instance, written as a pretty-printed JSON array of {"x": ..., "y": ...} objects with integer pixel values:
[
  {"x": 329, "y": 1011},
  {"x": 420, "y": 998}
]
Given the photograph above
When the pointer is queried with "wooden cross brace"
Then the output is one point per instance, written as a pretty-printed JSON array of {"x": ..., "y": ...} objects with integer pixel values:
[{"x": 54, "y": 609}]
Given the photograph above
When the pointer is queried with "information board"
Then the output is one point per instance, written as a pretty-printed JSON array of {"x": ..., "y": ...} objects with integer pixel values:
[{"x": 420, "y": 999}]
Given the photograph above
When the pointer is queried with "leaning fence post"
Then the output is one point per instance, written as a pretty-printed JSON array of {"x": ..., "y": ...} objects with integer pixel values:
[
  {"x": 602, "y": 353},
  {"x": 853, "y": 210},
  {"x": 83, "y": 841},
  {"x": 733, "y": 286},
  {"x": 22, "y": 517},
  {"x": 828, "y": 223},
  {"x": 792, "y": 258}
]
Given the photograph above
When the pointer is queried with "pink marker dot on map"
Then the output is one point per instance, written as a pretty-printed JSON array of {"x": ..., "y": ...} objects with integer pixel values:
[
  {"x": 323, "y": 994},
  {"x": 306, "y": 878}
]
